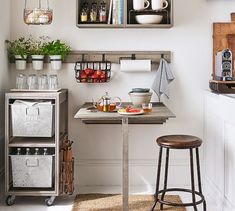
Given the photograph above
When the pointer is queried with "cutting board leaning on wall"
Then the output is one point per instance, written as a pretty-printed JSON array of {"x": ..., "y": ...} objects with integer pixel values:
[{"x": 224, "y": 37}]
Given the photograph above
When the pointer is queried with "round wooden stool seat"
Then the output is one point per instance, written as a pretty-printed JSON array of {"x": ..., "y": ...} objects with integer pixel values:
[{"x": 179, "y": 141}]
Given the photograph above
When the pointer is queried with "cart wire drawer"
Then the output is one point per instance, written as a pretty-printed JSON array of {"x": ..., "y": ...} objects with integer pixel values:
[
  {"x": 34, "y": 171},
  {"x": 32, "y": 118}
]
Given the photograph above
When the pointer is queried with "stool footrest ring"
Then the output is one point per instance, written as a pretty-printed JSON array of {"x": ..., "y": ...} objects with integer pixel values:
[{"x": 180, "y": 204}]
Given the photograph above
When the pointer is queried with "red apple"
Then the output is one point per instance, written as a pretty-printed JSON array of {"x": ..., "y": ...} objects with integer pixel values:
[
  {"x": 99, "y": 72},
  {"x": 83, "y": 77},
  {"x": 89, "y": 71},
  {"x": 94, "y": 78},
  {"x": 103, "y": 78}
]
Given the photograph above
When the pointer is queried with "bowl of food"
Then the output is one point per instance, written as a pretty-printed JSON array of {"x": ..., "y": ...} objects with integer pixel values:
[
  {"x": 138, "y": 98},
  {"x": 149, "y": 19}
]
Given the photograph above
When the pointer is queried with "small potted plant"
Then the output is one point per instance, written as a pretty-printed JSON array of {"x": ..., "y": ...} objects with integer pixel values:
[
  {"x": 18, "y": 49},
  {"x": 36, "y": 52},
  {"x": 57, "y": 51}
]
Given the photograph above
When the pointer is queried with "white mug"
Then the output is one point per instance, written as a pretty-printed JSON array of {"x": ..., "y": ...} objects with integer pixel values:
[
  {"x": 140, "y": 4},
  {"x": 159, "y": 4}
]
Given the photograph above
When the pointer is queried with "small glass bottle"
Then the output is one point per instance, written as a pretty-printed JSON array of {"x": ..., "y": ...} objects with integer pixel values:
[
  {"x": 102, "y": 12},
  {"x": 84, "y": 13},
  {"x": 45, "y": 151},
  {"x": 36, "y": 151},
  {"x": 18, "y": 151},
  {"x": 93, "y": 12},
  {"x": 27, "y": 151}
]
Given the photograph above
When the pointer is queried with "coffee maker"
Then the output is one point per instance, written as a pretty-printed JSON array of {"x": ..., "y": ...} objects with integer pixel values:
[{"x": 224, "y": 66}]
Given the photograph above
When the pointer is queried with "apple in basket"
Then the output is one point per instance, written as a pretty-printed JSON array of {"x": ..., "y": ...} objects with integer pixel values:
[
  {"x": 89, "y": 71},
  {"x": 94, "y": 78},
  {"x": 103, "y": 78},
  {"x": 83, "y": 77},
  {"x": 99, "y": 72}
]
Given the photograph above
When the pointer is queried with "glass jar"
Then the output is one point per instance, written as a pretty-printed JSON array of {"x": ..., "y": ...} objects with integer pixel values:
[
  {"x": 102, "y": 12},
  {"x": 93, "y": 12},
  {"x": 84, "y": 13}
]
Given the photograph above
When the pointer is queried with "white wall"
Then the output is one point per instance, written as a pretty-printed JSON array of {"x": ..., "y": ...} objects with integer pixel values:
[
  {"x": 97, "y": 149},
  {"x": 4, "y": 72}
]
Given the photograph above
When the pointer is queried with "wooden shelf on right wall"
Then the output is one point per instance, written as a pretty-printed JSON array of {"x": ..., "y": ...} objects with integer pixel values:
[{"x": 128, "y": 19}]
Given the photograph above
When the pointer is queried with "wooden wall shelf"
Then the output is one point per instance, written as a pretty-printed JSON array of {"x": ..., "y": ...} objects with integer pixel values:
[{"x": 128, "y": 16}]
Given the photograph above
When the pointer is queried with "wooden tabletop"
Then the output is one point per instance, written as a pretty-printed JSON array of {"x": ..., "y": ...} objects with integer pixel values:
[{"x": 159, "y": 115}]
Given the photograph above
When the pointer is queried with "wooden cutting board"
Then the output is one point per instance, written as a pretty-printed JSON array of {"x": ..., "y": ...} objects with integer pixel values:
[
  {"x": 221, "y": 33},
  {"x": 223, "y": 37}
]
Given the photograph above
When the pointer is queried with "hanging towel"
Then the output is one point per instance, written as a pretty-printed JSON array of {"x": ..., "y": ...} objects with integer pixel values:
[{"x": 163, "y": 78}]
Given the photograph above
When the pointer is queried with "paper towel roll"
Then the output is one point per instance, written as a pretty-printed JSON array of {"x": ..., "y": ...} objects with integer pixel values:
[{"x": 135, "y": 65}]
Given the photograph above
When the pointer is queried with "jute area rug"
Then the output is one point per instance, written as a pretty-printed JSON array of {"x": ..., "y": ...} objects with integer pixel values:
[{"x": 111, "y": 202}]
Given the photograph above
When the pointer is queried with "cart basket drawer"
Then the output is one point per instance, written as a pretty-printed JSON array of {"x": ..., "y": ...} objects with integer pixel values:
[{"x": 33, "y": 171}]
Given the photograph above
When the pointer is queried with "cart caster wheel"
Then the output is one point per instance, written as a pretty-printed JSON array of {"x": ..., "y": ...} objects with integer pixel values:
[
  {"x": 10, "y": 200},
  {"x": 50, "y": 201}
]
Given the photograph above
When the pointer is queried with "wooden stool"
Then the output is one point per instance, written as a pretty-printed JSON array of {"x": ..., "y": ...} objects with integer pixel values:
[{"x": 179, "y": 142}]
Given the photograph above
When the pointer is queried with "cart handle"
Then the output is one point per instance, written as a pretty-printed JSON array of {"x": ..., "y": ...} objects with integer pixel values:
[{"x": 30, "y": 164}]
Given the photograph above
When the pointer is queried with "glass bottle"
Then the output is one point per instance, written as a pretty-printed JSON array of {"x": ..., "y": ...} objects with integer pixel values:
[
  {"x": 18, "y": 151},
  {"x": 93, "y": 12},
  {"x": 45, "y": 151},
  {"x": 102, "y": 12},
  {"x": 27, "y": 151},
  {"x": 84, "y": 13},
  {"x": 36, "y": 151}
]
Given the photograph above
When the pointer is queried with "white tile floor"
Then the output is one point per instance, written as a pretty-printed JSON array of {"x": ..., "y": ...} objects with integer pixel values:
[{"x": 62, "y": 203}]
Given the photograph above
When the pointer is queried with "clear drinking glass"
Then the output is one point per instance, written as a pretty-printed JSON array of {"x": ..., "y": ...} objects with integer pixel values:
[
  {"x": 53, "y": 82},
  {"x": 21, "y": 81},
  {"x": 147, "y": 107},
  {"x": 32, "y": 81},
  {"x": 42, "y": 82}
]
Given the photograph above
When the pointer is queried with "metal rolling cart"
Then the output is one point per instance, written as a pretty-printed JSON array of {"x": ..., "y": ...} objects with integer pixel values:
[{"x": 59, "y": 102}]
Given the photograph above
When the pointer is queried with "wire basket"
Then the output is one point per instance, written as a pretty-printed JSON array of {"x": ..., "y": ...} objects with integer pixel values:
[
  {"x": 38, "y": 16},
  {"x": 92, "y": 71}
]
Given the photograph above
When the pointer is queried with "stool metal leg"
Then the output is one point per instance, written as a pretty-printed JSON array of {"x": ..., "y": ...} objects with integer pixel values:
[
  {"x": 166, "y": 176},
  {"x": 192, "y": 179},
  {"x": 199, "y": 177},
  {"x": 158, "y": 179}
]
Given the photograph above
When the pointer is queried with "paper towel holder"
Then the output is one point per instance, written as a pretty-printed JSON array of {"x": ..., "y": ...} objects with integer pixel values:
[{"x": 132, "y": 57}]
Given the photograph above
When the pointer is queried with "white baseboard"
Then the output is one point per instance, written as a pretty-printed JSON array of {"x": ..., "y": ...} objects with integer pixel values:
[{"x": 142, "y": 172}]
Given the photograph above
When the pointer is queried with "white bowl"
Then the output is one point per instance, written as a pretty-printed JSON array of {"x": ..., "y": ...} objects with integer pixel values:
[
  {"x": 149, "y": 19},
  {"x": 138, "y": 99}
]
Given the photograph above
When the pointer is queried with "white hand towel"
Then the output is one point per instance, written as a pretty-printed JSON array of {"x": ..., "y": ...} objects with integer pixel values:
[{"x": 163, "y": 78}]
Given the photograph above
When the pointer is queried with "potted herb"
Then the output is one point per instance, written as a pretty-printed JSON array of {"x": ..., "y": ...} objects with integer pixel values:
[
  {"x": 18, "y": 49},
  {"x": 57, "y": 51},
  {"x": 36, "y": 52}
]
